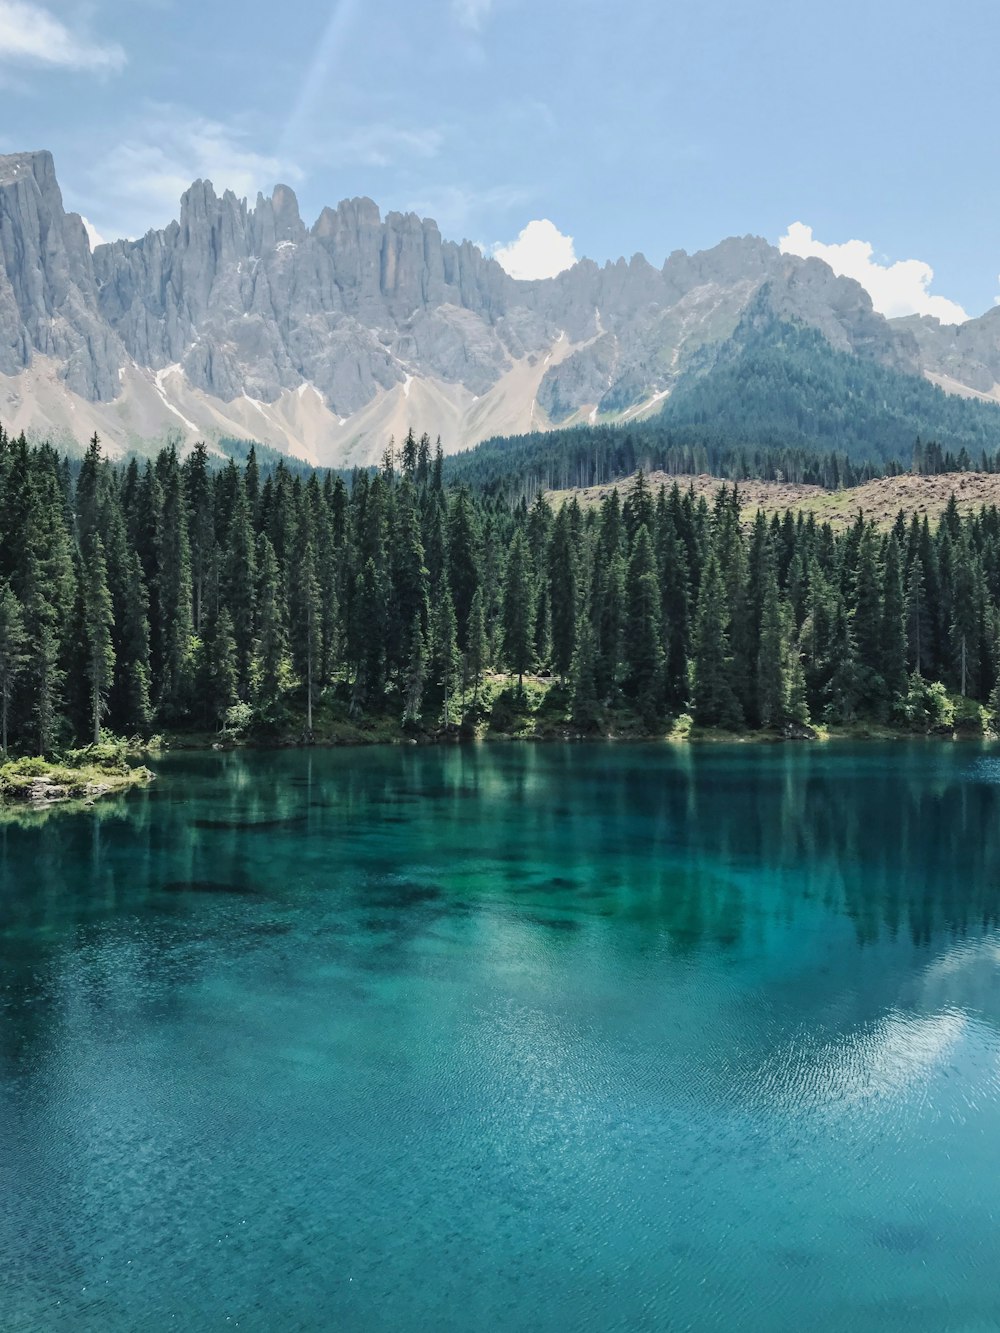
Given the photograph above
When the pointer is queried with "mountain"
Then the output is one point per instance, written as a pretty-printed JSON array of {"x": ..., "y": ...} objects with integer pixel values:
[{"x": 322, "y": 340}]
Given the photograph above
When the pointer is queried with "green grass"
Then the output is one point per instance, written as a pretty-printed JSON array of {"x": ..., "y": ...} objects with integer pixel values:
[{"x": 85, "y": 774}]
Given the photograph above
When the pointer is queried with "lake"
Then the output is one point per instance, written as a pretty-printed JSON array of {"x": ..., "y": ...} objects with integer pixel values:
[{"x": 508, "y": 1037}]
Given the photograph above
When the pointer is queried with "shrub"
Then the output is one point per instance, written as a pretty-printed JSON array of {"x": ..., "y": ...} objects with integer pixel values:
[
  {"x": 236, "y": 719},
  {"x": 927, "y": 706},
  {"x": 681, "y": 729}
]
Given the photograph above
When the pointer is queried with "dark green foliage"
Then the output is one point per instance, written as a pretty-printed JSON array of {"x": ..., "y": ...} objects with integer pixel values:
[
  {"x": 643, "y": 640},
  {"x": 12, "y": 656},
  {"x": 713, "y": 695},
  {"x": 182, "y": 594},
  {"x": 519, "y": 608},
  {"x": 98, "y": 622}
]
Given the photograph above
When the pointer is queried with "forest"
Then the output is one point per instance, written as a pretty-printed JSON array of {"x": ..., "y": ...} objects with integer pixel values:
[{"x": 192, "y": 595}]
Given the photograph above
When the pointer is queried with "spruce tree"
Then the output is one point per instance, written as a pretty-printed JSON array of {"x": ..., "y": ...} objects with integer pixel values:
[
  {"x": 562, "y": 577},
  {"x": 220, "y": 674},
  {"x": 98, "y": 622},
  {"x": 444, "y": 666},
  {"x": 415, "y": 679},
  {"x": 272, "y": 640},
  {"x": 305, "y": 622},
  {"x": 583, "y": 685},
  {"x": 773, "y": 683},
  {"x": 12, "y": 657},
  {"x": 477, "y": 652},
  {"x": 713, "y": 696},
  {"x": 893, "y": 634},
  {"x": 643, "y": 642},
  {"x": 519, "y": 609}
]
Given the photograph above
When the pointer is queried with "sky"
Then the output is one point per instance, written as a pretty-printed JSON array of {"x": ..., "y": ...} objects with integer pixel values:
[{"x": 544, "y": 130}]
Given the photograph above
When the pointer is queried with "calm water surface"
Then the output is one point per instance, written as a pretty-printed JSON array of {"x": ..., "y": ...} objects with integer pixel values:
[{"x": 510, "y": 1038}]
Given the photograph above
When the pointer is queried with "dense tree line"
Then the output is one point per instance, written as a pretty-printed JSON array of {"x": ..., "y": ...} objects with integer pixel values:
[
  {"x": 169, "y": 594},
  {"x": 581, "y": 456},
  {"x": 779, "y": 384},
  {"x": 776, "y": 403}
]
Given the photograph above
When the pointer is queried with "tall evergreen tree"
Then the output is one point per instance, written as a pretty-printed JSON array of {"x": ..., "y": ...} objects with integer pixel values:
[
  {"x": 519, "y": 608},
  {"x": 715, "y": 702},
  {"x": 644, "y": 645},
  {"x": 98, "y": 622},
  {"x": 12, "y": 657}
]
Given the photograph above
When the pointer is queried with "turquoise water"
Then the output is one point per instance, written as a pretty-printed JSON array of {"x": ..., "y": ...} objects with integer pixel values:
[{"x": 508, "y": 1038}]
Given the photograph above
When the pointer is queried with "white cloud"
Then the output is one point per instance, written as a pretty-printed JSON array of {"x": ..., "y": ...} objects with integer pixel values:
[
  {"x": 30, "y": 35},
  {"x": 93, "y": 235},
  {"x": 138, "y": 184},
  {"x": 902, "y": 288},
  {"x": 540, "y": 251},
  {"x": 471, "y": 14}
]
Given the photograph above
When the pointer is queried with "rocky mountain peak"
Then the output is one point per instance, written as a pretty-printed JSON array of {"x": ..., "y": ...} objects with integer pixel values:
[{"x": 325, "y": 338}]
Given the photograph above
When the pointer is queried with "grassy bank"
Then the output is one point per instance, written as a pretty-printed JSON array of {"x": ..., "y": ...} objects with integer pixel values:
[
  {"x": 539, "y": 710},
  {"x": 81, "y": 775}
]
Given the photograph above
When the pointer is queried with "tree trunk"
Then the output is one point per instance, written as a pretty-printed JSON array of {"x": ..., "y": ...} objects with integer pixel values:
[{"x": 309, "y": 693}]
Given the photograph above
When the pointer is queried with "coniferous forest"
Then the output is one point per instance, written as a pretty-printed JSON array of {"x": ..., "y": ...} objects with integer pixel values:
[{"x": 186, "y": 595}]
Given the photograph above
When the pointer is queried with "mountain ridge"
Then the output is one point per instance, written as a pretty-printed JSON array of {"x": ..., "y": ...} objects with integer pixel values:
[{"x": 322, "y": 340}]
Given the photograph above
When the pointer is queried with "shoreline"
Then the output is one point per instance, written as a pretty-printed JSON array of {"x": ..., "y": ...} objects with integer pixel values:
[
  {"x": 40, "y": 784},
  {"x": 200, "y": 742}
]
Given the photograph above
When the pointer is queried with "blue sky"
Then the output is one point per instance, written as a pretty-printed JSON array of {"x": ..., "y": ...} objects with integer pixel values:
[{"x": 634, "y": 126}]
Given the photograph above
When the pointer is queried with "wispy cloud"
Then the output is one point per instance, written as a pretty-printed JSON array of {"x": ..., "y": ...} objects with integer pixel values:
[
  {"x": 32, "y": 35},
  {"x": 459, "y": 210},
  {"x": 471, "y": 14},
  {"x": 383, "y": 145},
  {"x": 315, "y": 81},
  {"x": 900, "y": 288},
  {"x": 138, "y": 184}
]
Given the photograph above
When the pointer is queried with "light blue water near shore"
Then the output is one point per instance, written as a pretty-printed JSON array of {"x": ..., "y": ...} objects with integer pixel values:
[{"x": 508, "y": 1038}]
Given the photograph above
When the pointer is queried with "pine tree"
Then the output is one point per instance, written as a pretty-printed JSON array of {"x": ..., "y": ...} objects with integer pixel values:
[
  {"x": 272, "y": 641},
  {"x": 893, "y": 634},
  {"x": 562, "y": 575},
  {"x": 220, "y": 675},
  {"x": 416, "y": 671},
  {"x": 133, "y": 706},
  {"x": 12, "y": 657},
  {"x": 305, "y": 622},
  {"x": 868, "y": 624},
  {"x": 916, "y": 614},
  {"x": 477, "y": 652},
  {"x": 463, "y": 560},
  {"x": 966, "y": 614},
  {"x": 715, "y": 702},
  {"x": 444, "y": 655},
  {"x": 198, "y": 495},
  {"x": 409, "y": 578},
  {"x": 239, "y": 587},
  {"x": 643, "y": 642},
  {"x": 174, "y": 599},
  {"x": 675, "y": 590},
  {"x": 98, "y": 622},
  {"x": 518, "y": 608},
  {"x": 609, "y": 621},
  {"x": 583, "y": 685},
  {"x": 773, "y": 683},
  {"x": 42, "y": 667}
]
